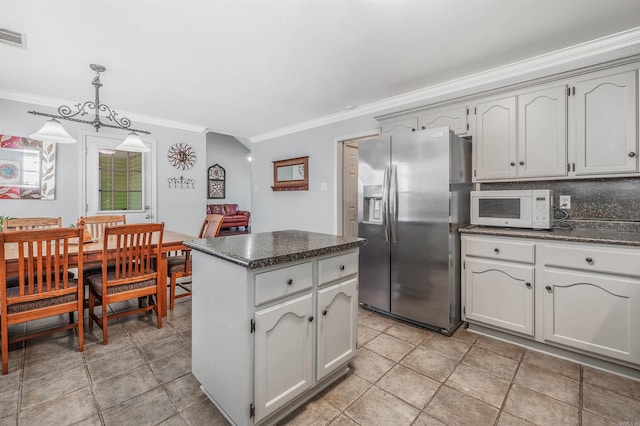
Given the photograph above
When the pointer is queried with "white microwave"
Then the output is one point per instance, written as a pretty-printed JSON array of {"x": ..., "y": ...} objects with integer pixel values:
[{"x": 513, "y": 209}]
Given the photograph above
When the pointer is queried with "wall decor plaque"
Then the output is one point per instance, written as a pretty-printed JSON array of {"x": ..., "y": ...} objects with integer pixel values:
[
  {"x": 216, "y": 178},
  {"x": 181, "y": 156}
]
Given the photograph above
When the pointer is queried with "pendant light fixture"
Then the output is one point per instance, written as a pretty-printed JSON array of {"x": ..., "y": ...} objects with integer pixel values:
[{"x": 53, "y": 132}]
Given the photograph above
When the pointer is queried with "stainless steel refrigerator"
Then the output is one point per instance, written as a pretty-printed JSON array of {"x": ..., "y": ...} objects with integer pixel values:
[{"x": 413, "y": 194}]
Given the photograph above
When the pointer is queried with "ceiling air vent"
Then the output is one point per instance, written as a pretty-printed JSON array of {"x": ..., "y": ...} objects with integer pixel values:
[{"x": 13, "y": 38}]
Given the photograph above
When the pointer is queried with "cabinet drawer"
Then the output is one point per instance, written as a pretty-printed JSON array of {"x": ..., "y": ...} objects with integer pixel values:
[
  {"x": 282, "y": 282},
  {"x": 500, "y": 249},
  {"x": 593, "y": 259},
  {"x": 337, "y": 267}
]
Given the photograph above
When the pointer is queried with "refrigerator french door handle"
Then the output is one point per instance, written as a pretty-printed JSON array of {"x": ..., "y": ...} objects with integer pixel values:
[
  {"x": 385, "y": 203},
  {"x": 393, "y": 197}
]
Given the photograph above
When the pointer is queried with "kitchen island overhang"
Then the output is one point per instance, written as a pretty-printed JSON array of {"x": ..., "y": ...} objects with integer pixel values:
[{"x": 274, "y": 319}]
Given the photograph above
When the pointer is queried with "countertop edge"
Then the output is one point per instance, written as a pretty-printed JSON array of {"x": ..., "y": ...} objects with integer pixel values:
[
  {"x": 581, "y": 236},
  {"x": 275, "y": 260}
]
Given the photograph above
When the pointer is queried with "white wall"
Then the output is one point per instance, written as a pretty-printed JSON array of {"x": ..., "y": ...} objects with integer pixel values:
[
  {"x": 313, "y": 210},
  {"x": 233, "y": 157},
  {"x": 181, "y": 210}
]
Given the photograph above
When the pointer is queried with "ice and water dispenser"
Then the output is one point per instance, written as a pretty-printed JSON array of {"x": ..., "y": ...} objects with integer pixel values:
[{"x": 372, "y": 195}]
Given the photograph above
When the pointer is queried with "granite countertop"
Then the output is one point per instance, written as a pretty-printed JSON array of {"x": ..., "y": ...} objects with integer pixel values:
[
  {"x": 273, "y": 248},
  {"x": 619, "y": 233}
]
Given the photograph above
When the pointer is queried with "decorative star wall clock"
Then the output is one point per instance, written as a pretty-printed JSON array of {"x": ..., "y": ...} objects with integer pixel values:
[{"x": 181, "y": 156}]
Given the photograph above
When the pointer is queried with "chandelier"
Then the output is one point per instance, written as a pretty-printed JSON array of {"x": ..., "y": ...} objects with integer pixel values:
[{"x": 54, "y": 132}]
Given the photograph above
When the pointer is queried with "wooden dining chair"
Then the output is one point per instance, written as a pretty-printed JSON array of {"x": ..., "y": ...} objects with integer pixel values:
[
  {"x": 24, "y": 223},
  {"x": 43, "y": 289},
  {"x": 134, "y": 249},
  {"x": 95, "y": 226},
  {"x": 179, "y": 266}
]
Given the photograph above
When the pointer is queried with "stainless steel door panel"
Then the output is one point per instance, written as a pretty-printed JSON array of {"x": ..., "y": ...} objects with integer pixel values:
[
  {"x": 420, "y": 257},
  {"x": 374, "y": 265}
]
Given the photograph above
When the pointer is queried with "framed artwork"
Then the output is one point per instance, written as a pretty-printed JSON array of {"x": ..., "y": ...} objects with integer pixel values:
[
  {"x": 291, "y": 174},
  {"x": 27, "y": 169},
  {"x": 216, "y": 180}
]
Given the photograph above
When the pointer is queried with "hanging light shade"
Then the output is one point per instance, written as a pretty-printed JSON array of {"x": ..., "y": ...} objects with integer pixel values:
[
  {"x": 53, "y": 132},
  {"x": 133, "y": 143}
]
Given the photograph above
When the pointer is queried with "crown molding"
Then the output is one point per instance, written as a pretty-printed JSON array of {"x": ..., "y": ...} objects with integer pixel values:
[
  {"x": 138, "y": 118},
  {"x": 608, "y": 48}
]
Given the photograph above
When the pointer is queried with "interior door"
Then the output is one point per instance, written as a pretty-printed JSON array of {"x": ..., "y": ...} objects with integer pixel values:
[
  {"x": 118, "y": 182},
  {"x": 350, "y": 189}
]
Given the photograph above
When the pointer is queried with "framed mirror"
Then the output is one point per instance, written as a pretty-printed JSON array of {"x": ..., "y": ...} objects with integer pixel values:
[
  {"x": 27, "y": 169},
  {"x": 291, "y": 174}
]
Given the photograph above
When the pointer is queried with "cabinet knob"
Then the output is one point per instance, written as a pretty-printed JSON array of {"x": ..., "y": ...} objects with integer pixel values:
[
  {"x": 632, "y": 154},
  {"x": 289, "y": 281},
  {"x": 497, "y": 250},
  {"x": 342, "y": 267},
  {"x": 311, "y": 319},
  {"x": 413, "y": 130},
  {"x": 424, "y": 127},
  {"x": 521, "y": 163},
  {"x": 528, "y": 285},
  {"x": 324, "y": 312},
  {"x": 589, "y": 260},
  {"x": 513, "y": 164},
  {"x": 548, "y": 288}
]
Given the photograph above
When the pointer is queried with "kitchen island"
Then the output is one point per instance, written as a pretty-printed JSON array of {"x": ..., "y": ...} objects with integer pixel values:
[{"x": 274, "y": 319}]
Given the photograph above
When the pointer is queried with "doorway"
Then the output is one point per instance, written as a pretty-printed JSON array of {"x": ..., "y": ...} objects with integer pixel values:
[
  {"x": 349, "y": 187},
  {"x": 118, "y": 182}
]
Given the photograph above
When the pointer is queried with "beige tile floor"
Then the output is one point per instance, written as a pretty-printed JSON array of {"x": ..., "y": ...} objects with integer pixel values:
[{"x": 402, "y": 375}]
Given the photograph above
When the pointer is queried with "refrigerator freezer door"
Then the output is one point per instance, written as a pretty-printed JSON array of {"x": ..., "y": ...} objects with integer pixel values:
[
  {"x": 373, "y": 176},
  {"x": 420, "y": 256}
]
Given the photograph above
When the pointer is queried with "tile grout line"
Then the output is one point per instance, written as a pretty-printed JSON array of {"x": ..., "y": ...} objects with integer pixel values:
[
  {"x": 581, "y": 395},
  {"x": 511, "y": 383}
]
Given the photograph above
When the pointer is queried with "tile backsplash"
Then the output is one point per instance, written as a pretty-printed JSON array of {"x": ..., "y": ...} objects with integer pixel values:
[{"x": 591, "y": 199}]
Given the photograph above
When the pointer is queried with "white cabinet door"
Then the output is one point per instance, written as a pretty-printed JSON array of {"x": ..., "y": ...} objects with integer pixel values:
[
  {"x": 499, "y": 294},
  {"x": 496, "y": 139},
  {"x": 606, "y": 115},
  {"x": 337, "y": 325},
  {"x": 592, "y": 312},
  {"x": 396, "y": 126},
  {"x": 542, "y": 133},
  {"x": 454, "y": 118},
  {"x": 284, "y": 343}
]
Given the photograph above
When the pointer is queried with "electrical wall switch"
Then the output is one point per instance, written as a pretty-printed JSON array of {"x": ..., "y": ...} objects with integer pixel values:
[{"x": 565, "y": 202}]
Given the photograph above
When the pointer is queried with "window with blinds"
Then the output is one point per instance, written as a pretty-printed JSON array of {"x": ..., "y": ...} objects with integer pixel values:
[{"x": 121, "y": 180}]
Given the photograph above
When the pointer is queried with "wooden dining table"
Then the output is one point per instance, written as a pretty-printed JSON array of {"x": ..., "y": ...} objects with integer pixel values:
[{"x": 92, "y": 253}]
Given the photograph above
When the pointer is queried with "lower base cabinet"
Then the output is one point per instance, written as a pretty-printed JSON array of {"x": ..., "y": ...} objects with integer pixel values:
[
  {"x": 283, "y": 353},
  {"x": 337, "y": 325},
  {"x": 593, "y": 313},
  {"x": 581, "y": 297},
  {"x": 500, "y": 294}
]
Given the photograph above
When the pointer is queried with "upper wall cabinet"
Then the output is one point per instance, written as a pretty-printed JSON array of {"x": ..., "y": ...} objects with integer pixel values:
[
  {"x": 603, "y": 133},
  {"x": 542, "y": 133},
  {"x": 523, "y": 136},
  {"x": 399, "y": 125},
  {"x": 495, "y": 142},
  {"x": 579, "y": 128},
  {"x": 455, "y": 118}
]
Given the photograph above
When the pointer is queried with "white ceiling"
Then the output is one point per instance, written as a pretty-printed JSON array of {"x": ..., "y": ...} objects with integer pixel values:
[{"x": 247, "y": 67}]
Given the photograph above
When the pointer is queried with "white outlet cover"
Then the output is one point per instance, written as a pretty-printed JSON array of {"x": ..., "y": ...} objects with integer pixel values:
[{"x": 565, "y": 202}]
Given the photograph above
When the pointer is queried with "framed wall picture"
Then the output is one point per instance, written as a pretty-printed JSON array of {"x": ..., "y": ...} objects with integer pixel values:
[
  {"x": 216, "y": 182},
  {"x": 27, "y": 169}
]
